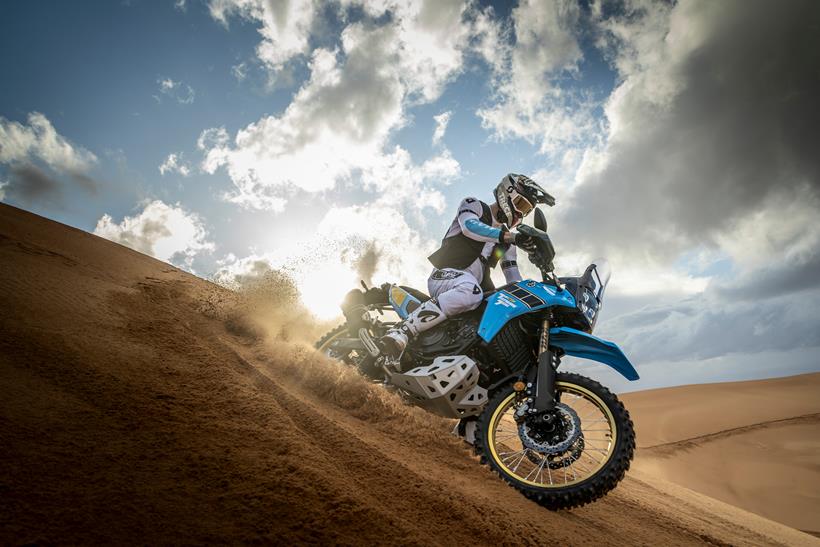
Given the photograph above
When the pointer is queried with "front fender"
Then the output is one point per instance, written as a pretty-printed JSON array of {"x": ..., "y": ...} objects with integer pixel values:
[{"x": 583, "y": 345}]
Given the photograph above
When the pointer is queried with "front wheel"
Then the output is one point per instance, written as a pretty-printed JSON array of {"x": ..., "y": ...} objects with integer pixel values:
[{"x": 572, "y": 457}]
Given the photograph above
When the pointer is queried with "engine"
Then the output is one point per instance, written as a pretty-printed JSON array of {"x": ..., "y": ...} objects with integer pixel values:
[
  {"x": 510, "y": 347},
  {"x": 452, "y": 337}
]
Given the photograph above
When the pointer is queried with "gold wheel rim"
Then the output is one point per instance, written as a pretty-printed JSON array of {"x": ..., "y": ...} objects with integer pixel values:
[
  {"x": 526, "y": 465},
  {"x": 324, "y": 347}
]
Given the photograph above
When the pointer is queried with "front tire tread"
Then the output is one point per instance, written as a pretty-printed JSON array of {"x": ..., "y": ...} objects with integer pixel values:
[{"x": 590, "y": 489}]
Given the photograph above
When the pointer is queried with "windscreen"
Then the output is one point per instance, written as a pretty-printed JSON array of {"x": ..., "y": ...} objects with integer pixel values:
[{"x": 597, "y": 277}]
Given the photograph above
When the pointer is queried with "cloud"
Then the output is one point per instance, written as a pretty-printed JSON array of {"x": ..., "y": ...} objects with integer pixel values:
[
  {"x": 707, "y": 172},
  {"x": 31, "y": 185},
  {"x": 166, "y": 232},
  {"x": 340, "y": 120},
  {"x": 707, "y": 326},
  {"x": 174, "y": 90},
  {"x": 285, "y": 26},
  {"x": 714, "y": 121},
  {"x": 316, "y": 141},
  {"x": 441, "y": 126},
  {"x": 240, "y": 71},
  {"x": 180, "y": 5},
  {"x": 528, "y": 55},
  {"x": 430, "y": 36},
  {"x": 39, "y": 141},
  {"x": 38, "y": 157},
  {"x": 397, "y": 179},
  {"x": 709, "y": 338},
  {"x": 174, "y": 163}
]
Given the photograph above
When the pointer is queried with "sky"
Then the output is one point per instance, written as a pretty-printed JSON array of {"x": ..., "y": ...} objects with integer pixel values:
[{"x": 334, "y": 140}]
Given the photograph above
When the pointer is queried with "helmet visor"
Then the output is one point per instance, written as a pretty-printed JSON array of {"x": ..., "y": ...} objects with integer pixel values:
[{"x": 522, "y": 205}]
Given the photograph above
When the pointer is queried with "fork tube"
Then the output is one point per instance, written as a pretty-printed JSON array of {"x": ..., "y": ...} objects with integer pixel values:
[
  {"x": 545, "y": 336},
  {"x": 545, "y": 381}
]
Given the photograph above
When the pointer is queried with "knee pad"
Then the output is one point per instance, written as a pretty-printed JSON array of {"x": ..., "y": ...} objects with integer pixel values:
[{"x": 460, "y": 299}]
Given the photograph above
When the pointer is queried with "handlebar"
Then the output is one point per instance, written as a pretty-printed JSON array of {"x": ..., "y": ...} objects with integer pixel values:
[{"x": 543, "y": 252}]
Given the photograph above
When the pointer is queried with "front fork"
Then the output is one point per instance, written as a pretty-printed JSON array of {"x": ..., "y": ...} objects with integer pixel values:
[{"x": 545, "y": 378}]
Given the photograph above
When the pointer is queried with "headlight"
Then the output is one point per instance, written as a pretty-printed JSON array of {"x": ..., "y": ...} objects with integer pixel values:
[{"x": 588, "y": 305}]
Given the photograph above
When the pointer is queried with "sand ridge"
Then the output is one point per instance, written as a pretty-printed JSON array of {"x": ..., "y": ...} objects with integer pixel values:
[
  {"x": 758, "y": 447},
  {"x": 133, "y": 410}
]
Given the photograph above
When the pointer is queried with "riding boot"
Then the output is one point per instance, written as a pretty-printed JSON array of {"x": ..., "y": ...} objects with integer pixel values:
[{"x": 425, "y": 317}]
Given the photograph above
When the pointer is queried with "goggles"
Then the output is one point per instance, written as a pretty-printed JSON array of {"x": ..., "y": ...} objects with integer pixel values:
[{"x": 521, "y": 204}]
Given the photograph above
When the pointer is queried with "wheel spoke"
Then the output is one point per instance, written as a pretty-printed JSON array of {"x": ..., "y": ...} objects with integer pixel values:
[
  {"x": 577, "y": 463},
  {"x": 537, "y": 469},
  {"x": 506, "y": 437},
  {"x": 524, "y": 455}
]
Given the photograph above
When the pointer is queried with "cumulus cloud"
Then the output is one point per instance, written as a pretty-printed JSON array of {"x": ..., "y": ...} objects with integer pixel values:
[
  {"x": 175, "y": 90},
  {"x": 39, "y": 160},
  {"x": 396, "y": 178},
  {"x": 530, "y": 103},
  {"x": 31, "y": 185},
  {"x": 714, "y": 121},
  {"x": 39, "y": 141},
  {"x": 285, "y": 26},
  {"x": 339, "y": 121},
  {"x": 430, "y": 35},
  {"x": 441, "y": 126},
  {"x": 174, "y": 163},
  {"x": 166, "y": 232},
  {"x": 708, "y": 166}
]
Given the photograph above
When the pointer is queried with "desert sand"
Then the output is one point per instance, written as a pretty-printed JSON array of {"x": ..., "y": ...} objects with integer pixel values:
[
  {"x": 752, "y": 444},
  {"x": 140, "y": 404}
]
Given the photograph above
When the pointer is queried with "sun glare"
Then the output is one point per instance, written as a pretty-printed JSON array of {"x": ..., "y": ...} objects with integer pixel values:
[{"x": 323, "y": 288}]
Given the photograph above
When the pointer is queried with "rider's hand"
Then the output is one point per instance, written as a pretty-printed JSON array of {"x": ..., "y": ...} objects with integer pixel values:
[{"x": 523, "y": 241}]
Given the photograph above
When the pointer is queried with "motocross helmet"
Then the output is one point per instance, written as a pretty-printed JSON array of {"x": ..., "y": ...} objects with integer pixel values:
[{"x": 516, "y": 196}]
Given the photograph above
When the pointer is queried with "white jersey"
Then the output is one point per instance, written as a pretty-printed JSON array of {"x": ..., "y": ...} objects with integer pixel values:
[{"x": 468, "y": 222}]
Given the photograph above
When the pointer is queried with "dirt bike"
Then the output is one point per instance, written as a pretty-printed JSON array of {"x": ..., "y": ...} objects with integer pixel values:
[{"x": 561, "y": 439}]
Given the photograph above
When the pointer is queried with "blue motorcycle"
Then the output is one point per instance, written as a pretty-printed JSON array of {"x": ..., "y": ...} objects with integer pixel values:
[{"x": 561, "y": 439}]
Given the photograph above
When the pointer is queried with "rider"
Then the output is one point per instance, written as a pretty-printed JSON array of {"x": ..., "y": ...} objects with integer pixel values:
[{"x": 476, "y": 241}]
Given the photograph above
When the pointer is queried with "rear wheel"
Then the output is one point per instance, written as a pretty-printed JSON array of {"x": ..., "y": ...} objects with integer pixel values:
[
  {"x": 569, "y": 458},
  {"x": 358, "y": 358},
  {"x": 324, "y": 343}
]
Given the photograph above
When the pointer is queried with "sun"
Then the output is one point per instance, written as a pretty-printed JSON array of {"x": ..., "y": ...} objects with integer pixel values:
[{"x": 323, "y": 288}]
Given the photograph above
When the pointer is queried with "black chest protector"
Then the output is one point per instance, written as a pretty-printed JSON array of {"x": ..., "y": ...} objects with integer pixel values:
[{"x": 459, "y": 251}]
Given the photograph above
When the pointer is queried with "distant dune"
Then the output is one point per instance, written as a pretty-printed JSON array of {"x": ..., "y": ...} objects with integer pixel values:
[
  {"x": 752, "y": 444},
  {"x": 140, "y": 404}
]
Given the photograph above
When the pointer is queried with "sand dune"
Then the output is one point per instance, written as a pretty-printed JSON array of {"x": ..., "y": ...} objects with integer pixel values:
[
  {"x": 136, "y": 407},
  {"x": 752, "y": 444}
]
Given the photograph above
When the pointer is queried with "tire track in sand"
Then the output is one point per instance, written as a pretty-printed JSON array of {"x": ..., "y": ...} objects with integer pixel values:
[{"x": 667, "y": 449}]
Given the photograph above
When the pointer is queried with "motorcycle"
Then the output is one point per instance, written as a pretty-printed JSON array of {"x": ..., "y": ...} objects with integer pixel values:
[{"x": 560, "y": 438}]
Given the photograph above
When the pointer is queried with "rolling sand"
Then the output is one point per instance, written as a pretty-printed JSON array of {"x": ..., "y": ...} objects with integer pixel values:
[
  {"x": 752, "y": 444},
  {"x": 138, "y": 404}
]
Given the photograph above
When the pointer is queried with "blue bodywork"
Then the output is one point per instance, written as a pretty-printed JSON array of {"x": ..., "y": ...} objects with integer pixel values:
[
  {"x": 527, "y": 296},
  {"x": 583, "y": 345},
  {"x": 519, "y": 299}
]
